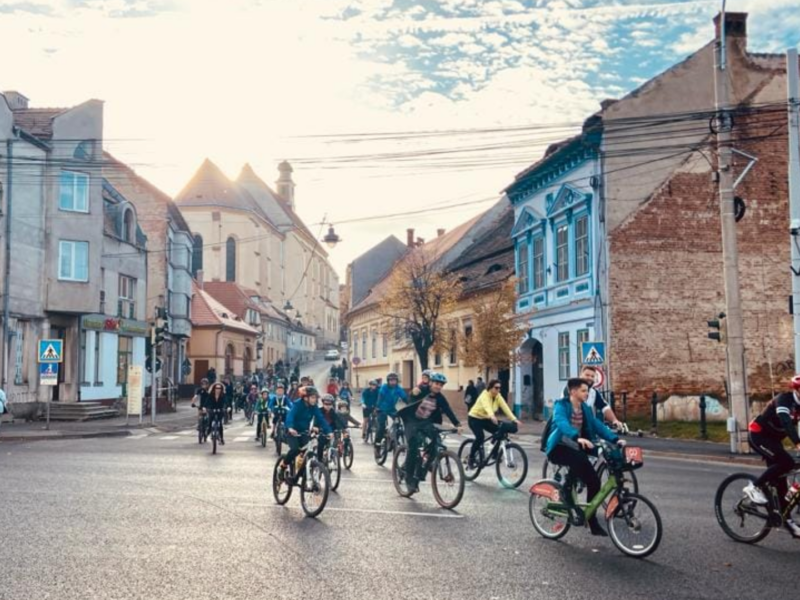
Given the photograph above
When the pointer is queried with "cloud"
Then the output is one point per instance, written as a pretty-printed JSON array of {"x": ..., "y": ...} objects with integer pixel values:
[{"x": 25, "y": 7}]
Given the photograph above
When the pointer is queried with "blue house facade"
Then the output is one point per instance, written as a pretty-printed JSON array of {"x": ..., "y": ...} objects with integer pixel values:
[{"x": 559, "y": 251}]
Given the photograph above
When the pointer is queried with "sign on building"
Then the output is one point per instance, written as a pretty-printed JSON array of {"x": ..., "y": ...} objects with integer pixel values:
[
  {"x": 51, "y": 351},
  {"x": 593, "y": 353}
]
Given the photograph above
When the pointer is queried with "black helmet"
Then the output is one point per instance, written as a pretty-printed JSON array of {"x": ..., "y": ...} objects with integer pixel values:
[
  {"x": 392, "y": 375},
  {"x": 311, "y": 391}
]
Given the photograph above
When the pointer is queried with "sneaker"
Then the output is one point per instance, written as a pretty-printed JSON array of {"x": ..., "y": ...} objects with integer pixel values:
[
  {"x": 754, "y": 494},
  {"x": 793, "y": 528}
]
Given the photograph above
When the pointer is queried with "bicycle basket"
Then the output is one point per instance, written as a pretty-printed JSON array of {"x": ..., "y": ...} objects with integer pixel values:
[{"x": 628, "y": 458}]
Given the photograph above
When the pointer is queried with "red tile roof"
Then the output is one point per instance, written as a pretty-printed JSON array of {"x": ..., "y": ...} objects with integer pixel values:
[
  {"x": 37, "y": 121},
  {"x": 208, "y": 312}
]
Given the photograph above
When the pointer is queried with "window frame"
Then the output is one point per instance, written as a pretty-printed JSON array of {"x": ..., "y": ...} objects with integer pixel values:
[
  {"x": 563, "y": 355},
  {"x": 538, "y": 280},
  {"x": 562, "y": 247},
  {"x": 76, "y": 175},
  {"x": 129, "y": 288},
  {"x": 74, "y": 244},
  {"x": 523, "y": 266},
  {"x": 586, "y": 238},
  {"x": 581, "y": 333}
]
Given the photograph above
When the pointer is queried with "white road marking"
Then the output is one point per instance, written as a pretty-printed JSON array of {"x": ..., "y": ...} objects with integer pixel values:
[
  {"x": 242, "y": 438},
  {"x": 169, "y": 437},
  {"x": 395, "y": 512},
  {"x": 187, "y": 432},
  {"x": 137, "y": 436}
]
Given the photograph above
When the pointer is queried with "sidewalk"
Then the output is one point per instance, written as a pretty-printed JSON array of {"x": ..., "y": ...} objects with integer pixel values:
[{"x": 184, "y": 417}]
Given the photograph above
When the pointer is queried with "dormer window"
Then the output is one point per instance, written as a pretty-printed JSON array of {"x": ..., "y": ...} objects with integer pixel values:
[{"x": 129, "y": 226}]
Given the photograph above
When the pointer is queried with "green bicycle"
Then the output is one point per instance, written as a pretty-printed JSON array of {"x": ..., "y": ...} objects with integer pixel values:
[{"x": 633, "y": 522}]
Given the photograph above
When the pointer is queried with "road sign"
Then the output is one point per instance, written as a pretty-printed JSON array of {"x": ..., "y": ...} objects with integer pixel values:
[
  {"x": 356, "y": 361},
  {"x": 51, "y": 351},
  {"x": 599, "y": 378},
  {"x": 593, "y": 353},
  {"x": 48, "y": 374}
]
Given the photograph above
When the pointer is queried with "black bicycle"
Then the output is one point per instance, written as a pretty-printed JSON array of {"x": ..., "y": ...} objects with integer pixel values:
[
  {"x": 307, "y": 473},
  {"x": 394, "y": 437},
  {"x": 747, "y": 522},
  {"x": 249, "y": 412},
  {"x": 280, "y": 430},
  {"x": 368, "y": 431},
  {"x": 202, "y": 429},
  {"x": 333, "y": 460},
  {"x": 345, "y": 445},
  {"x": 216, "y": 429},
  {"x": 447, "y": 473},
  {"x": 509, "y": 459}
]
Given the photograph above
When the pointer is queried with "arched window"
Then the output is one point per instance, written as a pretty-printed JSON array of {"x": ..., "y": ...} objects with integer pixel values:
[
  {"x": 128, "y": 227},
  {"x": 197, "y": 255},
  {"x": 230, "y": 259},
  {"x": 229, "y": 359}
]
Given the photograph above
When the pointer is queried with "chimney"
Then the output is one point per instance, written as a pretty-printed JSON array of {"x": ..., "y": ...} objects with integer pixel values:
[
  {"x": 439, "y": 232},
  {"x": 410, "y": 238},
  {"x": 16, "y": 101},
  {"x": 420, "y": 241},
  {"x": 285, "y": 184},
  {"x": 735, "y": 25}
]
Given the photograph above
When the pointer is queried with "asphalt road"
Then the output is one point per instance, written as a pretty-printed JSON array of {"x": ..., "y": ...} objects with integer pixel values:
[{"x": 157, "y": 516}]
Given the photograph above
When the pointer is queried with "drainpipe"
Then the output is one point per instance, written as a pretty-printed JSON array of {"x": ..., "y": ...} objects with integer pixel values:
[{"x": 7, "y": 268}]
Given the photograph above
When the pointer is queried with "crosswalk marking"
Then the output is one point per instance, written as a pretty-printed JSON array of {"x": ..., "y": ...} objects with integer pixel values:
[
  {"x": 136, "y": 437},
  {"x": 169, "y": 437},
  {"x": 242, "y": 438}
]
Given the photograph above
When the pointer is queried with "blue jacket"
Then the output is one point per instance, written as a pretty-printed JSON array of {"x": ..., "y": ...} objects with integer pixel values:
[
  {"x": 301, "y": 415},
  {"x": 273, "y": 403},
  {"x": 562, "y": 425},
  {"x": 388, "y": 397},
  {"x": 346, "y": 394},
  {"x": 369, "y": 397}
]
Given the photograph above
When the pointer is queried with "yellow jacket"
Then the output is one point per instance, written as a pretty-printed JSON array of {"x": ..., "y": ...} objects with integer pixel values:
[{"x": 485, "y": 407}]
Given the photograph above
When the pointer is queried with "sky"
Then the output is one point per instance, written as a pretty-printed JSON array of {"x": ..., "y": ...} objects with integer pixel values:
[{"x": 402, "y": 113}]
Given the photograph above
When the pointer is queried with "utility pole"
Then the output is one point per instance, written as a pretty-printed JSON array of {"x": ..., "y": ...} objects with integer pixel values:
[
  {"x": 793, "y": 91},
  {"x": 737, "y": 423},
  {"x": 153, "y": 379}
]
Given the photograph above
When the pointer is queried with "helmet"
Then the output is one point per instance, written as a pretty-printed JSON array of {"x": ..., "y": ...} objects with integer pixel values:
[
  {"x": 310, "y": 391},
  {"x": 795, "y": 382},
  {"x": 280, "y": 385},
  {"x": 392, "y": 375},
  {"x": 438, "y": 378},
  {"x": 327, "y": 398},
  {"x": 373, "y": 382},
  {"x": 343, "y": 407},
  {"x": 427, "y": 373}
]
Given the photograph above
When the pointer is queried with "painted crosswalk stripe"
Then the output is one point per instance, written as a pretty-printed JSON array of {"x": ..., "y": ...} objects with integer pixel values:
[
  {"x": 137, "y": 437},
  {"x": 242, "y": 438},
  {"x": 169, "y": 437}
]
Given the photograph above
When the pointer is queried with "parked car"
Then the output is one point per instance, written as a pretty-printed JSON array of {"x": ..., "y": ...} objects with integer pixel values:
[{"x": 332, "y": 355}]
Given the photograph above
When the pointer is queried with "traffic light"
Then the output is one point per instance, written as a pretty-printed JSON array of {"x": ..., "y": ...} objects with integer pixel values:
[
  {"x": 717, "y": 327},
  {"x": 161, "y": 332},
  {"x": 148, "y": 364}
]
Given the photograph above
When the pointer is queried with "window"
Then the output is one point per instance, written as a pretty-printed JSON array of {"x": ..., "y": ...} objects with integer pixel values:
[
  {"x": 453, "y": 344},
  {"x": 230, "y": 260},
  {"x": 364, "y": 344},
  {"x": 197, "y": 255},
  {"x": 126, "y": 305},
  {"x": 19, "y": 354},
  {"x": 538, "y": 263},
  {"x": 523, "y": 267},
  {"x": 583, "y": 336},
  {"x": 355, "y": 343},
  {"x": 229, "y": 359},
  {"x": 248, "y": 357},
  {"x": 562, "y": 253},
  {"x": 129, "y": 227},
  {"x": 74, "y": 193},
  {"x": 124, "y": 358},
  {"x": 73, "y": 261},
  {"x": 98, "y": 358},
  {"x": 374, "y": 343},
  {"x": 581, "y": 245},
  {"x": 385, "y": 345},
  {"x": 563, "y": 355},
  {"x": 437, "y": 359}
]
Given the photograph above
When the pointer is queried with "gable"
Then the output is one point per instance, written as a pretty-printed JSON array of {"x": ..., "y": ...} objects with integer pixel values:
[
  {"x": 528, "y": 219},
  {"x": 565, "y": 198}
]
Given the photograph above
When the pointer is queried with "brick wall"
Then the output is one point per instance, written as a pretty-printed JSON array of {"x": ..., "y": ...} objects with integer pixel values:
[{"x": 666, "y": 280}]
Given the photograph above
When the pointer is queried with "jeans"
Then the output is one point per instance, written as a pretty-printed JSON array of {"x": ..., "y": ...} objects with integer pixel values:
[
  {"x": 219, "y": 416},
  {"x": 418, "y": 435},
  {"x": 779, "y": 463},
  {"x": 382, "y": 417}
]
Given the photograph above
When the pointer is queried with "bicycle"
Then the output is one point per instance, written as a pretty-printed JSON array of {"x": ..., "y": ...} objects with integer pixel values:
[
  {"x": 280, "y": 430},
  {"x": 202, "y": 429},
  {"x": 447, "y": 473},
  {"x": 368, "y": 431},
  {"x": 393, "y": 437},
  {"x": 215, "y": 434},
  {"x": 313, "y": 479},
  {"x": 510, "y": 460},
  {"x": 333, "y": 461},
  {"x": 629, "y": 478},
  {"x": 744, "y": 514},
  {"x": 345, "y": 445},
  {"x": 264, "y": 427},
  {"x": 634, "y": 524},
  {"x": 249, "y": 412}
]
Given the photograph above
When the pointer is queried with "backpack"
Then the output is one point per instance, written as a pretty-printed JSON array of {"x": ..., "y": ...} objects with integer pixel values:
[{"x": 548, "y": 428}]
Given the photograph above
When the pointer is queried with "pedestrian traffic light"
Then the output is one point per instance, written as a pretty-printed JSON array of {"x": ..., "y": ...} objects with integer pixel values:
[
  {"x": 161, "y": 332},
  {"x": 717, "y": 327}
]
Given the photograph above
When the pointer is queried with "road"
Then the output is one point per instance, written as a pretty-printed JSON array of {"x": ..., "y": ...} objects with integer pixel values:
[{"x": 155, "y": 515}]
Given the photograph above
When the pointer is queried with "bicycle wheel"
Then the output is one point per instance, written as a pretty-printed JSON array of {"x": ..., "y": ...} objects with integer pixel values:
[
  {"x": 448, "y": 479},
  {"x": 739, "y": 518},
  {"x": 200, "y": 432},
  {"x": 512, "y": 465},
  {"x": 634, "y": 525},
  {"x": 281, "y": 489},
  {"x": 629, "y": 479},
  {"x": 370, "y": 439},
  {"x": 264, "y": 430},
  {"x": 471, "y": 472},
  {"x": 334, "y": 468},
  {"x": 550, "y": 520},
  {"x": 399, "y": 472},
  {"x": 348, "y": 454},
  {"x": 315, "y": 488},
  {"x": 279, "y": 438},
  {"x": 382, "y": 452},
  {"x": 213, "y": 442}
]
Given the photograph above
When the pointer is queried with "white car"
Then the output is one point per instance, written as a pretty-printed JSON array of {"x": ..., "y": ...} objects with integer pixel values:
[{"x": 332, "y": 355}]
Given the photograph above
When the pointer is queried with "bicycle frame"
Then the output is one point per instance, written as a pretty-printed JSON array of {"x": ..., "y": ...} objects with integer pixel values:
[{"x": 558, "y": 506}]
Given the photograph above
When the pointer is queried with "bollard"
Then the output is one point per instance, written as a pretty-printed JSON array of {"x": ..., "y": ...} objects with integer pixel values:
[
  {"x": 654, "y": 402},
  {"x": 703, "y": 426},
  {"x": 624, "y": 407}
]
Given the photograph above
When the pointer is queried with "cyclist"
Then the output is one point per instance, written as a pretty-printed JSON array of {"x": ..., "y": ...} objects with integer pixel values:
[
  {"x": 200, "y": 399},
  {"x": 293, "y": 391},
  {"x": 482, "y": 417},
  {"x": 573, "y": 429},
  {"x": 262, "y": 410},
  {"x": 388, "y": 395},
  {"x": 421, "y": 390},
  {"x": 419, "y": 419},
  {"x": 333, "y": 387},
  {"x": 305, "y": 416},
  {"x": 595, "y": 401},
  {"x": 767, "y": 431},
  {"x": 345, "y": 393},
  {"x": 215, "y": 407},
  {"x": 335, "y": 420},
  {"x": 369, "y": 400}
]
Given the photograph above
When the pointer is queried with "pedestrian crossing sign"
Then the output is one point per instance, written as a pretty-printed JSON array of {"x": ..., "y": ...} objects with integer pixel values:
[
  {"x": 593, "y": 353},
  {"x": 51, "y": 351}
]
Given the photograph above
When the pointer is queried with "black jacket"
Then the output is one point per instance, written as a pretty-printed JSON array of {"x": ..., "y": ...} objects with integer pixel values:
[{"x": 411, "y": 413}]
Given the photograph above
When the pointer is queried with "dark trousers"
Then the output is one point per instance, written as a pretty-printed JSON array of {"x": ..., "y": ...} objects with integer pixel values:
[
  {"x": 295, "y": 442},
  {"x": 261, "y": 417},
  {"x": 478, "y": 426},
  {"x": 219, "y": 416},
  {"x": 418, "y": 435},
  {"x": 779, "y": 463},
  {"x": 382, "y": 417},
  {"x": 580, "y": 468}
]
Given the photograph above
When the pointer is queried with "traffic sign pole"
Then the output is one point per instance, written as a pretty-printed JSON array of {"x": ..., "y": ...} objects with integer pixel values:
[{"x": 153, "y": 390}]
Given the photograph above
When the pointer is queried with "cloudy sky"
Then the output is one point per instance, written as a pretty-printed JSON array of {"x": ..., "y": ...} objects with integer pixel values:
[{"x": 336, "y": 86}]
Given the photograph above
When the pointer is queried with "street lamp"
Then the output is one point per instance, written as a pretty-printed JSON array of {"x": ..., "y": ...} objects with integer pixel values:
[{"x": 331, "y": 238}]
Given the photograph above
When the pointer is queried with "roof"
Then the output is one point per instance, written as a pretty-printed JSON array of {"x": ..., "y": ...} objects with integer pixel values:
[
  {"x": 232, "y": 295},
  {"x": 210, "y": 187},
  {"x": 37, "y": 121},
  {"x": 267, "y": 199},
  {"x": 373, "y": 265},
  {"x": 208, "y": 312}
]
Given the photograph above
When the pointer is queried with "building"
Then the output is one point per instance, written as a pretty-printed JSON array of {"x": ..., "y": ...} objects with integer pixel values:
[
  {"x": 169, "y": 281},
  {"x": 248, "y": 233},
  {"x": 63, "y": 257},
  {"x": 655, "y": 270}
]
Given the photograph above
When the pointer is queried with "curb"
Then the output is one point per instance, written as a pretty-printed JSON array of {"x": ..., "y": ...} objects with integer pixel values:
[
  {"x": 63, "y": 436},
  {"x": 732, "y": 460}
]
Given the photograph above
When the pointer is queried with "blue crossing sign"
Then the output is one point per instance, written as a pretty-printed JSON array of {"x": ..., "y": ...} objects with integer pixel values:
[
  {"x": 593, "y": 353},
  {"x": 51, "y": 351}
]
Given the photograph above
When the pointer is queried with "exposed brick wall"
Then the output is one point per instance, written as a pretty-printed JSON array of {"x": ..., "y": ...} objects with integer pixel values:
[{"x": 666, "y": 279}]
